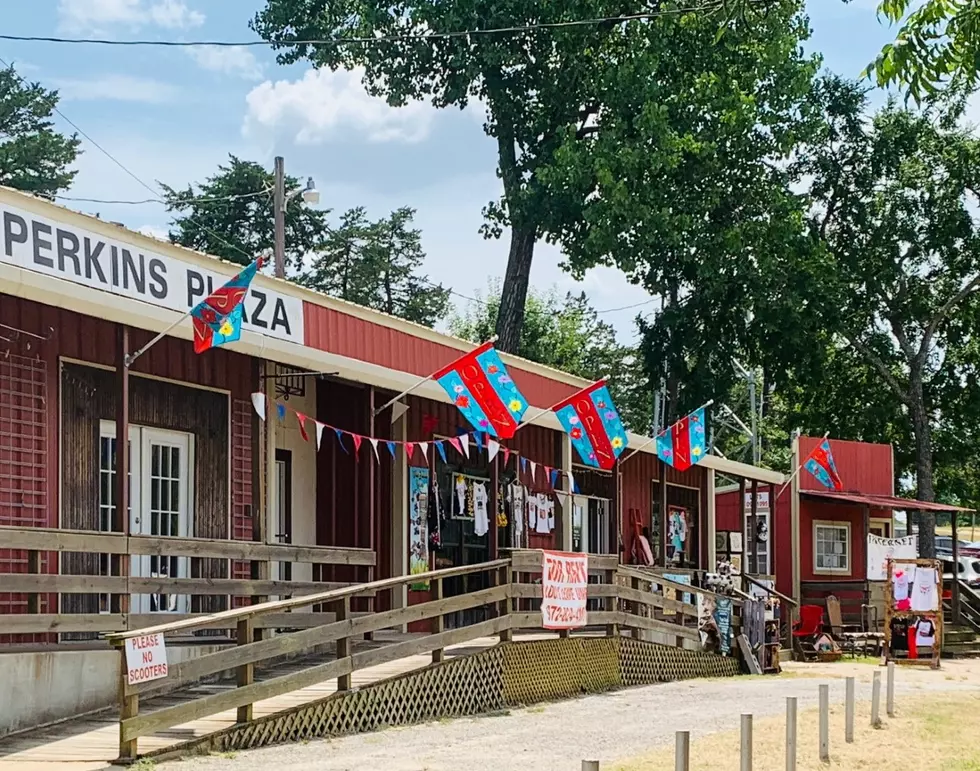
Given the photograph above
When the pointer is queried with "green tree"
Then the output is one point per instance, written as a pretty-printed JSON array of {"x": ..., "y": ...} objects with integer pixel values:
[
  {"x": 376, "y": 264},
  {"x": 566, "y": 333},
  {"x": 895, "y": 265},
  {"x": 684, "y": 186},
  {"x": 231, "y": 215},
  {"x": 34, "y": 157},
  {"x": 540, "y": 88},
  {"x": 937, "y": 46}
]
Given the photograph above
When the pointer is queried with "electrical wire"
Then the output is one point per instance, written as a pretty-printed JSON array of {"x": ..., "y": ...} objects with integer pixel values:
[
  {"x": 179, "y": 204},
  {"x": 515, "y": 29}
]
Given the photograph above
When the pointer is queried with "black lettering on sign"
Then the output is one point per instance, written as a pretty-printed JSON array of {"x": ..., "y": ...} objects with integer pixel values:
[
  {"x": 11, "y": 235},
  {"x": 134, "y": 271},
  {"x": 114, "y": 262},
  {"x": 92, "y": 259},
  {"x": 68, "y": 250},
  {"x": 158, "y": 278},
  {"x": 39, "y": 228},
  {"x": 257, "y": 319},
  {"x": 195, "y": 287},
  {"x": 279, "y": 317}
]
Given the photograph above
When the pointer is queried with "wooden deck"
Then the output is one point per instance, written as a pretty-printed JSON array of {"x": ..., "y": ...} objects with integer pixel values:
[{"x": 89, "y": 743}]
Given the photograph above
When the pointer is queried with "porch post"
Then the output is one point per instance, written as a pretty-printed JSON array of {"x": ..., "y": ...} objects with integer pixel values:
[
  {"x": 711, "y": 527},
  {"x": 565, "y": 530},
  {"x": 743, "y": 519},
  {"x": 662, "y": 525},
  {"x": 616, "y": 516},
  {"x": 399, "y": 517},
  {"x": 122, "y": 458},
  {"x": 794, "y": 523},
  {"x": 755, "y": 526}
]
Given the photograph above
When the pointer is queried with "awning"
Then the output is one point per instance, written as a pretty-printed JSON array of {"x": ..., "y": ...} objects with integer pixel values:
[{"x": 882, "y": 501}]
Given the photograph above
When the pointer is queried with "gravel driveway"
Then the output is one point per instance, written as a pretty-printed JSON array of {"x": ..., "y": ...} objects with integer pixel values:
[{"x": 609, "y": 727}]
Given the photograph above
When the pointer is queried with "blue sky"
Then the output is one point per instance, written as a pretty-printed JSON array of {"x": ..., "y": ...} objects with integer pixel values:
[{"x": 172, "y": 115}]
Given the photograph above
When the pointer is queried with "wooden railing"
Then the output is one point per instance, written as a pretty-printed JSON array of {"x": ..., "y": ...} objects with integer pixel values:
[
  {"x": 509, "y": 583},
  {"x": 37, "y": 541}
]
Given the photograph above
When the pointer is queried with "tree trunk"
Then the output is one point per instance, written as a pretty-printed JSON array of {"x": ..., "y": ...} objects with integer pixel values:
[
  {"x": 510, "y": 318},
  {"x": 923, "y": 468}
]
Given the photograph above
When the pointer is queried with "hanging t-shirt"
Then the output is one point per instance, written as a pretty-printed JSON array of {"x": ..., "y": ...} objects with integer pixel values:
[
  {"x": 532, "y": 511},
  {"x": 461, "y": 495},
  {"x": 900, "y": 583},
  {"x": 517, "y": 511},
  {"x": 543, "y": 516},
  {"x": 481, "y": 520},
  {"x": 551, "y": 514},
  {"x": 925, "y": 594},
  {"x": 925, "y": 633}
]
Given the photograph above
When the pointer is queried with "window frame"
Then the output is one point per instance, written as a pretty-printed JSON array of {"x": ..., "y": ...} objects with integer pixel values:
[{"x": 837, "y": 525}]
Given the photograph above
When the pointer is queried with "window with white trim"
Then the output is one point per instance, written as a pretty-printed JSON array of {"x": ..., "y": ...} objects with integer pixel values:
[{"x": 831, "y": 547}]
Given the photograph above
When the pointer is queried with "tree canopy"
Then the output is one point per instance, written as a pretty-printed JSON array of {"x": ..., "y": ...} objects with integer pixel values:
[
  {"x": 34, "y": 157},
  {"x": 566, "y": 333},
  {"x": 376, "y": 264},
  {"x": 231, "y": 215}
]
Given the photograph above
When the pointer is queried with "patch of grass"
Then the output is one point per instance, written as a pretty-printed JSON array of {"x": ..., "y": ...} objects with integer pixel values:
[
  {"x": 937, "y": 731},
  {"x": 536, "y": 710},
  {"x": 144, "y": 764}
]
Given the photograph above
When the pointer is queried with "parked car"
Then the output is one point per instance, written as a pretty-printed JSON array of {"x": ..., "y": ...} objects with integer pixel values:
[
  {"x": 968, "y": 571},
  {"x": 944, "y": 544}
]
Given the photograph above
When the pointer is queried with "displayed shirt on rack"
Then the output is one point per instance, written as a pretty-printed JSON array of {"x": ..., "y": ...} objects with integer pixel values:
[
  {"x": 925, "y": 633},
  {"x": 532, "y": 512},
  {"x": 517, "y": 511},
  {"x": 543, "y": 527},
  {"x": 925, "y": 594},
  {"x": 900, "y": 582},
  {"x": 481, "y": 520},
  {"x": 460, "y": 495}
]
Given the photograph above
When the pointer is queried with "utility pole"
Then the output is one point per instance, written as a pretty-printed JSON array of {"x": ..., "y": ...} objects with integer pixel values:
[{"x": 279, "y": 203}]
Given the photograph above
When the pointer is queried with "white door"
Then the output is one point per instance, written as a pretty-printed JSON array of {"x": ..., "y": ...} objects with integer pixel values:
[
  {"x": 580, "y": 525},
  {"x": 164, "y": 509}
]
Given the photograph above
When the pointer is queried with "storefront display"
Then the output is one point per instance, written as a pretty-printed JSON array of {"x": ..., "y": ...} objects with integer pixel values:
[
  {"x": 418, "y": 512},
  {"x": 913, "y": 611}
]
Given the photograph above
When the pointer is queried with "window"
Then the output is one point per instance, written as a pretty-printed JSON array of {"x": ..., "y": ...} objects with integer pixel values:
[
  {"x": 880, "y": 527},
  {"x": 831, "y": 547}
]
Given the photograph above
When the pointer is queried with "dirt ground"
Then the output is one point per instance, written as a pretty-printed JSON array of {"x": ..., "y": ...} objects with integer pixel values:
[{"x": 634, "y": 729}]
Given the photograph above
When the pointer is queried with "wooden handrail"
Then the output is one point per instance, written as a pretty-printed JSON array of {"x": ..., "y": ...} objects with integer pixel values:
[
  {"x": 656, "y": 578},
  {"x": 771, "y": 590},
  {"x": 370, "y": 588}
]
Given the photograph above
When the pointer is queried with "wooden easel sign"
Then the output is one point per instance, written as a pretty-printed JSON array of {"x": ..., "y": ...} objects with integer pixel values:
[{"x": 914, "y": 612}]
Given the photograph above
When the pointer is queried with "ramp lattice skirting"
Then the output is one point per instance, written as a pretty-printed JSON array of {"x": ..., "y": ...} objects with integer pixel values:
[{"x": 509, "y": 674}]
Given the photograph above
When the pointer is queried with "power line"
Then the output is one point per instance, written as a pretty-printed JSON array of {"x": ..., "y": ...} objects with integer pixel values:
[
  {"x": 183, "y": 203},
  {"x": 407, "y": 37}
]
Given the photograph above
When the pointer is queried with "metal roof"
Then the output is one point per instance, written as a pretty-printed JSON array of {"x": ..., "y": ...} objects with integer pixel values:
[{"x": 882, "y": 501}]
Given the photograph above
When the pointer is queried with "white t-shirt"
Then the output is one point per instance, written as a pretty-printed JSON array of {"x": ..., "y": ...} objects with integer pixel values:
[
  {"x": 551, "y": 514},
  {"x": 544, "y": 517},
  {"x": 461, "y": 495},
  {"x": 481, "y": 522},
  {"x": 925, "y": 633},
  {"x": 900, "y": 580},
  {"x": 517, "y": 508},
  {"x": 925, "y": 594}
]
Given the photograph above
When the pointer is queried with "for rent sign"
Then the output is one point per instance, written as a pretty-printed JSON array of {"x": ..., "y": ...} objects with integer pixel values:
[
  {"x": 121, "y": 268},
  {"x": 146, "y": 658},
  {"x": 564, "y": 590}
]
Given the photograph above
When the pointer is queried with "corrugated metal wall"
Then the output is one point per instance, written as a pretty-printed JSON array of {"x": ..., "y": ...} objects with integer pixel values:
[
  {"x": 864, "y": 467},
  {"x": 347, "y": 335}
]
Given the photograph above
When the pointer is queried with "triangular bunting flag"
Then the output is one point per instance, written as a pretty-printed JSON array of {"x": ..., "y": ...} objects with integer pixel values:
[
  {"x": 357, "y": 442},
  {"x": 424, "y": 447},
  {"x": 258, "y": 402},
  {"x": 523, "y": 463},
  {"x": 478, "y": 436},
  {"x": 391, "y": 448},
  {"x": 442, "y": 451},
  {"x": 340, "y": 438},
  {"x": 464, "y": 442},
  {"x": 506, "y": 457},
  {"x": 534, "y": 469},
  {"x": 571, "y": 482},
  {"x": 301, "y": 419},
  {"x": 553, "y": 474},
  {"x": 409, "y": 450},
  {"x": 281, "y": 411},
  {"x": 374, "y": 445},
  {"x": 319, "y": 432},
  {"x": 492, "y": 449}
]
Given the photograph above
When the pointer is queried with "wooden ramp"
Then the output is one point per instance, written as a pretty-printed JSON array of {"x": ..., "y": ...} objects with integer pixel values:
[{"x": 90, "y": 743}]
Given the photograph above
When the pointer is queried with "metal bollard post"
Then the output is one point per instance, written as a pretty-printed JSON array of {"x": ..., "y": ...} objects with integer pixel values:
[
  {"x": 790, "y": 733},
  {"x": 876, "y": 701},
  {"x": 590, "y": 765},
  {"x": 849, "y": 710},
  {"x": 825, "y": 722},
  {"x": 746, "y": 748},
  {"x": 682, "y": 751},
  {"x": 890, "y": 690}
]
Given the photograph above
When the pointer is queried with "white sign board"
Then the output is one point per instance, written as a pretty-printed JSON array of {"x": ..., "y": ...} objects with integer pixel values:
[
  {"x": 762, "y": 501},
  {"x": 146, "y": 658},
  {"x": 880, "y": 550},
  {"x": 82, "y": 257},
  {"x": 564, "y": 589}
]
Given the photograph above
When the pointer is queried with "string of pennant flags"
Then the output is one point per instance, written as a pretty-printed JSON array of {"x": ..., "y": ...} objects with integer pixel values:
[{"x": 464, "y": 444}]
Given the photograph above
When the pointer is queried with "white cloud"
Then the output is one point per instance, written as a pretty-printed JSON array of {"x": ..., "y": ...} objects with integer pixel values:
[
  {"x": 120, "y": 88},
  {"x": 323, "y": 104},
  {"x": 89, "y": 15},
  {"x": 230, "y": 60}
]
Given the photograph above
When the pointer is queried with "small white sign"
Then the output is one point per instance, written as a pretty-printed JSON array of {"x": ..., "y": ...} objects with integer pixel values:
[{"x": 146, "y": 658}]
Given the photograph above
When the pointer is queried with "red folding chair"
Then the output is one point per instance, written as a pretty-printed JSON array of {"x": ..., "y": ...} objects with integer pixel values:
[{"x": 807, "y": 629}]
